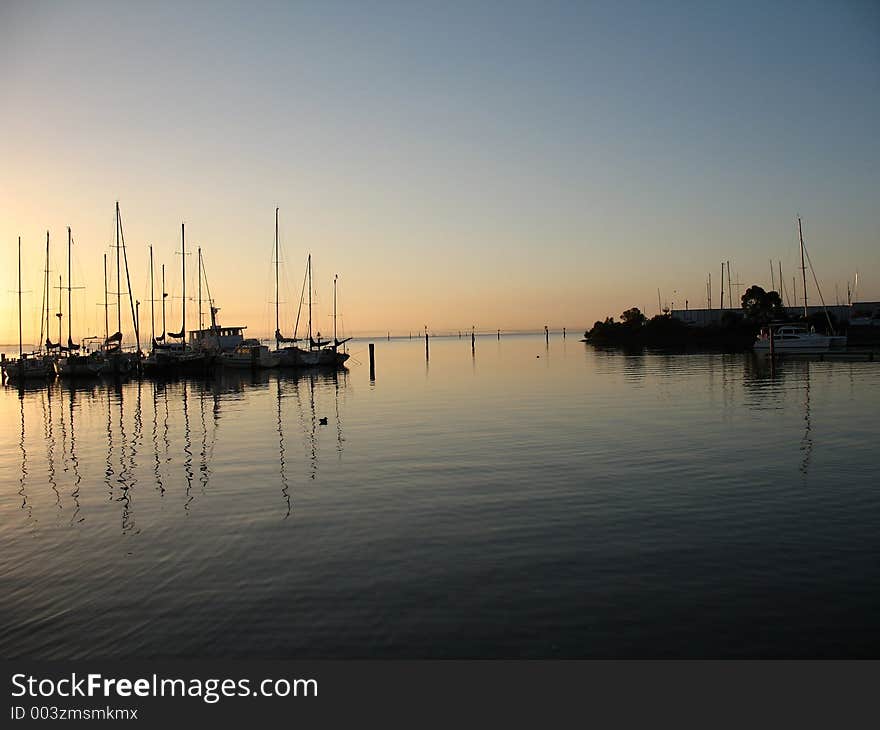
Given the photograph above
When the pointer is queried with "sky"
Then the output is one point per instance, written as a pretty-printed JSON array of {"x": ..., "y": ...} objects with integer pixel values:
[{"x": 498, "y": 165}]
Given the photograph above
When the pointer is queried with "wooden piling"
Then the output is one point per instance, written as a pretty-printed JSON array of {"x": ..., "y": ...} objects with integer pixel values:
[
  {"x": 546, "y": 334},
  {"x": 426, "y": 344},
  {"x": 372, "y": 361}
]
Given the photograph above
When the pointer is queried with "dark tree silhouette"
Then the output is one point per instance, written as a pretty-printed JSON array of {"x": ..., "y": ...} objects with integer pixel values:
[
  {"x": 633, "y": 317},
  {"x": 762, "y": 306}
]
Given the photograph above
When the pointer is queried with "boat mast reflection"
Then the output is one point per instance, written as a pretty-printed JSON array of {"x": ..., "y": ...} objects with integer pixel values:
[
  {"x": 285, "y": 486},
  {"x": 49, "y": 435},
  {"x": 22, "y": 492},
  {"x": 74, "y": 461},
  {"x": 807, "y": 439}
]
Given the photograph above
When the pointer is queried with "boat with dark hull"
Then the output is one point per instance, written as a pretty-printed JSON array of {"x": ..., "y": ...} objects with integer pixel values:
[{"x": 34, "y": 366}]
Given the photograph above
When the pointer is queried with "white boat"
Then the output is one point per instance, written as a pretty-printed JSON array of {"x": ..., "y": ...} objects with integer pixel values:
[
  {"x": 796, "y": 338},
  {"x": 788, "y": 338},
  {"x": 250, "y": 354}
]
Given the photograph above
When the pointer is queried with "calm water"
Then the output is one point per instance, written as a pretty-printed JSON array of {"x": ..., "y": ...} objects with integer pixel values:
[{"x": 526, "y": 502}]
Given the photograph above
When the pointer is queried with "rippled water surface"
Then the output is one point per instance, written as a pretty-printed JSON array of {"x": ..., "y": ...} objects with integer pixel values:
[{"x": 526, "y": 500}]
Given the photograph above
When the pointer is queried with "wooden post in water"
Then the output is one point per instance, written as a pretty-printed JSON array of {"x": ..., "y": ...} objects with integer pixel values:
[
  {"x": 499, "y": 334},
  {"x": 546, "y": 334},
  {"x": 473, "y": 341},
  {"x": 426, "y": 343},
  {"x": 563, "y": 333},
  {"x": 372, "y": 361}
]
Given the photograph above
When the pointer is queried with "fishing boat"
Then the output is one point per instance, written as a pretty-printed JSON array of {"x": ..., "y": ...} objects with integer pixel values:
[
  {"x": 250, "y": 354},
  {"x": 214, "y": 339},
  {"x": 28, "y": 366}
]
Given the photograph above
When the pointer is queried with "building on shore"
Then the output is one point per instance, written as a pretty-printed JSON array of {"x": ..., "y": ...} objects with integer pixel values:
[{"x": 841, "y": 313}]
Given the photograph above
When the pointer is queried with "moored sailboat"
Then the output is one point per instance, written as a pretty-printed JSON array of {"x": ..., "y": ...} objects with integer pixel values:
[
  {"x": 28, "y": 366},
  {"x": 74, "y": 363}
]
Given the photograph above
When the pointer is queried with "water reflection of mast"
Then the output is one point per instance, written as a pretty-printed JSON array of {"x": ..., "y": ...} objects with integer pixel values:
[
  {"x": 285, "y": 490},
  {"x": 204, "y": 474},
  {"x": 187, "y": 449},
  {"x": 137, "y": 436},
  {"x": 339, "y": 438},
  {"x": 48, "y": 433},
  {"x": 125, "y": 467},
  {"x": 313, "y": 437},
  {"x": 160, "y": 486},
  {"x": 74, "y": 462},
  {"x": 807, "y": 440},
  {"x": 29, "y": 510},
  {"x": 108, "y": 472}
]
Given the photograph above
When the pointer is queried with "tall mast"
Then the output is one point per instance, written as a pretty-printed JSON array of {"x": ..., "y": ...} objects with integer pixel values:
[
  {"x": 60, "y": 314},
  {"x": 69, "y": 287},
  {"x": 164, "y": 295},
  {"x": 200, "y": 287},
  {"x": 335, "y": 277},
  {"x": 803, "y": 266},
  {"x": 310, "y": 301},
  {"x": 277, "y": 321},
  {"x": 152, "y": 302},
  {"x": 48, "y": 290},
  {"x": 20, "y": 348},
  {"x": 118, "y": 277},
  {"x": 722, "y": 286},
  {"x": 729, "y": 287},
  {"x": 781, "y": 282},
  {"x": 183, "y": 269},
  {"x": 772, "y": 276},
  {"x": 106, "y": 320},
  {"x": 135, "y": 319}
]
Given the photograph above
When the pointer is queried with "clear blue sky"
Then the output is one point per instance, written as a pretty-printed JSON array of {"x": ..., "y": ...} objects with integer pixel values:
[{"x": 499, "y": 164}]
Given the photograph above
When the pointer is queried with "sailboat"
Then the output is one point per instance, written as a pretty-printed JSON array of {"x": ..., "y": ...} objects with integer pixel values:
[
  {"x": 176, "y": 356},
  {"x": 120, "y": 362},
  {"x": 76, "y": 364},
  {"x": 289, "y": 354},
  {"x": 319, "y": 352},
  {"x": 28, "y": 366},
  {"x": 322, "y": 353}
]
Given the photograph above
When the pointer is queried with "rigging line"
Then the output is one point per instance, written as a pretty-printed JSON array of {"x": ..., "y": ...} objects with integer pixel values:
[
  {"x": 207, "y": 286},
  {"x": 818, "y": 289},
  {"x": 134, "y": 321},
  {"x": 299, "y": 310}
]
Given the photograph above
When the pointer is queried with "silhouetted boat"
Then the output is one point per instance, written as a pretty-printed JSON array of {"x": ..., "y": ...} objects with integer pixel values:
[
  {"x": 28, "y": 366},
  {"x": 250, "y": 354},
  {"x": 177, "y": 356}
]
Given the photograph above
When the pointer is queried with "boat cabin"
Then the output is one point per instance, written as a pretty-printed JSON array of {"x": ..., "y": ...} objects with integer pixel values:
[{"x": 217, "y": 339}]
